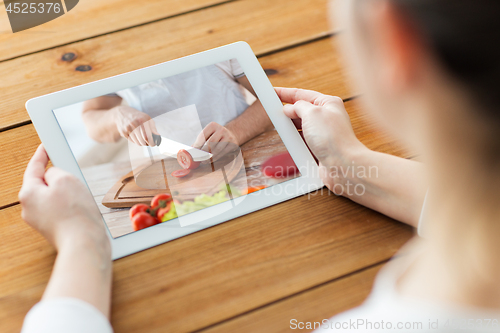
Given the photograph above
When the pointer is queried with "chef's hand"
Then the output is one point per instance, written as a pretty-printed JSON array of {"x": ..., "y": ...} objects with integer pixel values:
[
  {"x": 217, "y": 140},
  {"x": 326, "y": 128},
  {"x": 134, "y": 125},
  {"x": 59, "y": 206}
]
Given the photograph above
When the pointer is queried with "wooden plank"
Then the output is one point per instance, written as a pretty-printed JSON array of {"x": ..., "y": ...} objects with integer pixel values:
[
  {"x": 213, "y": 275},
  {"x": 19, "y": 144},
  {"x": 311, "y": 306},
  {"x": 88, "y": 19},
  {"x": 316, "y": 66},
  {"x": 254, "y": 21}
]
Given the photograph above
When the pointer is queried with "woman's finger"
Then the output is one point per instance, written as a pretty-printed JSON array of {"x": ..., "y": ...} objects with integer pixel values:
[
  {"x": 293, "y": 95},
  {"x": 298, "y": 110},
  {"x": 35, "y": 170},
  {"x": 34, "y": 174},
  {"x": 53, "y": 174}
]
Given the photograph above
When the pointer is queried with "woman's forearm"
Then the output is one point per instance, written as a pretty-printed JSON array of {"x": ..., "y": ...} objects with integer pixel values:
[
  {"x": 83, "y": 270},
  {"x": 393, "y": 186}
]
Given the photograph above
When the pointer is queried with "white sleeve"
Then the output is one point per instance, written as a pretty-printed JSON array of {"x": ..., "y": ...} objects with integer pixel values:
[
  {"x": 231, "y": 68},
  {"x": 62, "y": 315},
  {"x": 236, "y": 69}
]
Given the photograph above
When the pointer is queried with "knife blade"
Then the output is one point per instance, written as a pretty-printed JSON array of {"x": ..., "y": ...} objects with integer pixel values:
[{"x": 171, "y": 148}]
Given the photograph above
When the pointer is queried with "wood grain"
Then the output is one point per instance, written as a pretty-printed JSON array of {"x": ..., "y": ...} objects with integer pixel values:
[
  {"x": 216, "y": 274},
  {"x": 254, "y": 21},
  {"x": 19, "y": 144},
  {"x": 88, "y": 19},
  {"x": 315, "y": 66},
  {"x": 315, "y": 305}
]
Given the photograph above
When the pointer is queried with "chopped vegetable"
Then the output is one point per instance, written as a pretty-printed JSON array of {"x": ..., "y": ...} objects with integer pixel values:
[
  {"x": 167, "y": 209},
  {"x": 143, "y": 220},
  {"x": 181, "y": 173},
  {"x": 201, "y": 202},
  {"x": 161, "y": 200},
  {"x": 172, "y": 213},
  {"x": 163, "y": 210},
  {"x": 253, "y": 189},
  {"x": 139, "y": 208},
  {"x": 186, "y": 160}
]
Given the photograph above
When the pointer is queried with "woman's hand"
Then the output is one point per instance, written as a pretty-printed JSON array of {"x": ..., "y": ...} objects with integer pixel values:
[
  {"x": 134, "y": 125},
  {"x": 326, "y": 129},
  {"x": 216, "y": 139},
  {"x": 59, "y": 206}
]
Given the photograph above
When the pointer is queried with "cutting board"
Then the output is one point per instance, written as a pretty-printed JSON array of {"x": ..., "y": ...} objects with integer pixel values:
[{"x": 142, "y": 184}]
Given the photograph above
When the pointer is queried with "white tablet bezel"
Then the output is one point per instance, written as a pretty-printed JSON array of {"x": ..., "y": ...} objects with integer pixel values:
[{"x": 41, "y": 109}]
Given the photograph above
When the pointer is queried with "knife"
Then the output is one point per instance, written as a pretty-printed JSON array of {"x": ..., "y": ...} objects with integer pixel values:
[{"x": 171, "y": 148}]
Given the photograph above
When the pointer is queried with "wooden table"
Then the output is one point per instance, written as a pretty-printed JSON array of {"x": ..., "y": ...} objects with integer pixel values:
[{"x": 305, "y": 259}]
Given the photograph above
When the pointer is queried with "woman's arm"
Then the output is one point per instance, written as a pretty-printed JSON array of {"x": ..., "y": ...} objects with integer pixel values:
[
  {"x": 60, "y": 207},
  {"x": 393, "y": 186}
]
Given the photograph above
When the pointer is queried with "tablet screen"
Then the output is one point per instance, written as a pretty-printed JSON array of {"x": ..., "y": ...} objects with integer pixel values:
[{"x": 165, "y": 149}]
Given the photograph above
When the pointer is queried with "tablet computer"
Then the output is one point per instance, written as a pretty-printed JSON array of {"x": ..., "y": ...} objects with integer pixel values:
[{"x": 178, "y": 147}]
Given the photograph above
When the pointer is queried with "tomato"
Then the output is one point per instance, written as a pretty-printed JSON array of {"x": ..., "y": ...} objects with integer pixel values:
[
  {"x": 139, "y": 208},
  {"x": 186, "y": 160},
  {"x": 143, "y": 220},
  {"x": 161, "y": 200},
  {"x": 181, "y": 173},
  {"x": 253, "y": 189},
  {"x": 280, "y": 166},
  {"x": 163, "y": 210}
]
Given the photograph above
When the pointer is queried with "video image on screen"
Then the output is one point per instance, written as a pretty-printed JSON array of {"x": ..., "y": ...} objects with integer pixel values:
[{"x": 165, "y": 149}]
